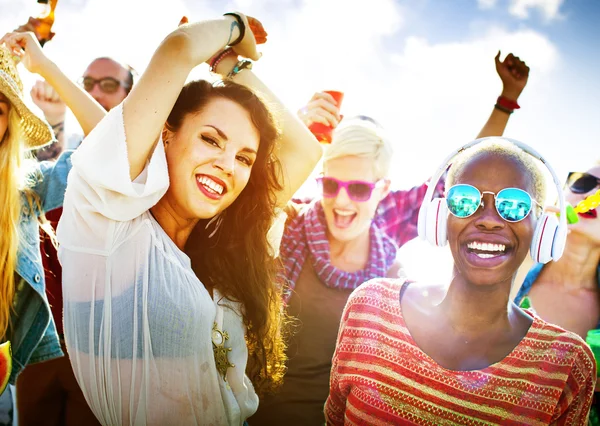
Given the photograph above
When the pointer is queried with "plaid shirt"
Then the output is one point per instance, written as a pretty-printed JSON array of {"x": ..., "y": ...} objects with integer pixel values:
[{"x": 398, "y": 213}]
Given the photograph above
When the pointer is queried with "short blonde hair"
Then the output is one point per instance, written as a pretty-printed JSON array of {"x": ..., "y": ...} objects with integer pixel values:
[
  {"x": 505, "y": 149},
  {"x": 361, "y": 138}
]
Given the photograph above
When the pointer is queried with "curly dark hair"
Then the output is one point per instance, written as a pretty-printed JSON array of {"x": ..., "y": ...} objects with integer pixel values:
[{"x": 238, "y": 260}]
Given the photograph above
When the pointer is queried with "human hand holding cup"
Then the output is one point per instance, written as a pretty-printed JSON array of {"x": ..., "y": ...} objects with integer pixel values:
[{"x": 322, "y": 114}]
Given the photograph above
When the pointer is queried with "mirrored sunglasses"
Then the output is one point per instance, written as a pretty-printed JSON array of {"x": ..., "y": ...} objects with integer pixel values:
[
  {"x": 357, "y": 190},
  {"x": 512, "y": 204}
]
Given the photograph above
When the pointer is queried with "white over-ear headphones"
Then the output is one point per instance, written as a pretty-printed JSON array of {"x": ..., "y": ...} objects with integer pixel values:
[{"x": 550, "y": 234}]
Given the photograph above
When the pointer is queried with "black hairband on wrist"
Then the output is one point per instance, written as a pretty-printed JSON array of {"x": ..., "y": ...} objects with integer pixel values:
[{"x": 242, "y": 26}]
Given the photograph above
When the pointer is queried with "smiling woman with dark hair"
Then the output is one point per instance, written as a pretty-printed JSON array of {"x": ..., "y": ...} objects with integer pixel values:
[
  {"x": 463, "y": 353},
  {"x": 168, "y": 276}
]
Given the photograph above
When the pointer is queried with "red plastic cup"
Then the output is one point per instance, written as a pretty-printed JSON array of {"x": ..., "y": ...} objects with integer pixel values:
[{"x": 321, "y": 131}]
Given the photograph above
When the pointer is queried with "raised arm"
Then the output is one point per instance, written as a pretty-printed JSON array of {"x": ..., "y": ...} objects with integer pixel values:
[
  {"x": 299, "y": 151},
  {"x": 514, "y": 74},
  {"x": 147, "y": 107},
  {"x": 87, "y": 111}
]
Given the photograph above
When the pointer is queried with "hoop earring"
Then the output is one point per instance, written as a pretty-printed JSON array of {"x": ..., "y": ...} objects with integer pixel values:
[{"x": 217, "y": 220}]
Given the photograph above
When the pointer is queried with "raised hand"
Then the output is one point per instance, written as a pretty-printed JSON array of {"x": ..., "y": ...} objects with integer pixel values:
[
  {"x": 26, "y": 47},
  {"x": 247, "y": 47},
  {"x": 514, "y": 74},
  {"x": 260, "y": 35},
  {"x": 46, "y": 98},
  {"x": 322, "y": 108}
]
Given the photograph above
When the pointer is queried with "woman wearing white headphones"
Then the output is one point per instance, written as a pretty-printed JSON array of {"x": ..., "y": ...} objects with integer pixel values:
[{"x": 463, "y": 353}]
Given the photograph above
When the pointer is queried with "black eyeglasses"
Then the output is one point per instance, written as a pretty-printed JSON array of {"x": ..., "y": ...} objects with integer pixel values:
[
  {"x": 582, "y": 183},
  {"x": 107, "y": 84}
]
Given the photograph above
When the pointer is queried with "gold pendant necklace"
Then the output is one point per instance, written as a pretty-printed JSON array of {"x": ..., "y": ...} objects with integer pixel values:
[{"x": 221, "y": 352}]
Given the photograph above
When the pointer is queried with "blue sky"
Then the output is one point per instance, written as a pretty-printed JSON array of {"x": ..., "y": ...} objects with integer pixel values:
[{"x": 423, "y": 68}]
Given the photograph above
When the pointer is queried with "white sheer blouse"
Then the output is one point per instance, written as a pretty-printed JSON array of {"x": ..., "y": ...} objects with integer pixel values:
[{"x": 138, "y": 322}]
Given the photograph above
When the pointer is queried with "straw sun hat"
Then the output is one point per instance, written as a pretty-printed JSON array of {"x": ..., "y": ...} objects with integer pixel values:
[{"x": 36, "y": 132}]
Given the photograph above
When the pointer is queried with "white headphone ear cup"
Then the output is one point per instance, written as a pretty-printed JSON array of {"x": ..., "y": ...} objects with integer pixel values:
[
  {"x": 560, "y": 241},
  {"x": 437, "y": 219},
  {"x": 543, "y": 238}
]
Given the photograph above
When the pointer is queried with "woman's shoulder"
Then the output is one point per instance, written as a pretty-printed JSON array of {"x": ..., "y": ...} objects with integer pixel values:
[
  {"x": 557, "y": 344},
  {"x": 377, "y": 292}
]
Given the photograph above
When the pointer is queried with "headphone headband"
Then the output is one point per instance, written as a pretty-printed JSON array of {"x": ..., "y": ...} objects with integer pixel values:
[{"x": 562, "y": 227}]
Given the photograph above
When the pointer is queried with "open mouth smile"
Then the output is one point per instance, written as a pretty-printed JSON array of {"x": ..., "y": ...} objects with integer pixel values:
[
  {"x": 212, "y": 187},
  {"x": 486, "y": 254},
  {"x": 343, "y": 218}
]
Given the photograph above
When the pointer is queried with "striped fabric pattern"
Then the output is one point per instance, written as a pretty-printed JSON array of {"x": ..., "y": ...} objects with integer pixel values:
[
  {"x": 306, "y": 239},
  {"x": 380, "y": 377}
]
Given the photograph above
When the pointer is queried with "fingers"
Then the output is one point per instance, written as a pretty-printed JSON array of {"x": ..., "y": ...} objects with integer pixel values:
[
  {"x": 322, "y": 108},
  {"x": 42, "y": 91},
  {"x": 17, "y": 42},
  {"x": 516, "y": 67},
  {"x": 260, "y": 35},
  {"x": 311, "y": 116},
  {"x": 325, "y": 96},
  {"x": 255, "y": 24}
]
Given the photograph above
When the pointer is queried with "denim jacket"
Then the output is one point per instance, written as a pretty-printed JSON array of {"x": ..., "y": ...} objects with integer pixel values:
[{"x": 33, "y": 333}]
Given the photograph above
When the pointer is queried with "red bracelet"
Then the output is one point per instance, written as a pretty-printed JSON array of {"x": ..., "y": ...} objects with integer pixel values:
[
  {"x": 218, "y": 58},
  {"x": 507, "y": 103}
]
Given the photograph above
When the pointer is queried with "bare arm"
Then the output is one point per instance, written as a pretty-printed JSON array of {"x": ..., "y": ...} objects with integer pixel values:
[
  {"x": 54, "y": 109},
  {"x": 87, "y": 111},
  {"x": 147, "y": 107},
  {"x": 299, "y": 151},
  {"x": 514, "y": 74}
]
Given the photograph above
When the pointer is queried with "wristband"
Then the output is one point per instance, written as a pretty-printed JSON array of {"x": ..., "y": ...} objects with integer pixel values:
[
  {"x": 503, "y": 109},
  {"x": 244, "y": 64},
  {"x": 212, "y": 66},
  {"x": 241, "y": 24},
  {"x": 507, "y": 103}
]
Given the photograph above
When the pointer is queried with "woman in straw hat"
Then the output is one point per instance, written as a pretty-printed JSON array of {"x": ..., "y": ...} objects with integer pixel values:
[{"x": 28, "y": 190}]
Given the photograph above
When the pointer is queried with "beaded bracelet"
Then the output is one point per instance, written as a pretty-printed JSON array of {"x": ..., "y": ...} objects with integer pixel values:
[
  {"x": 213, "y": 64},
  {"x": 244, "y": 64}
]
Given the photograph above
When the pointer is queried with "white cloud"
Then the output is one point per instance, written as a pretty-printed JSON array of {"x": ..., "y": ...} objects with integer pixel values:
[
  {"x": 550, "y": 9},
  {"x": 430, "y": 96},
  {"x": 486, "y": 4}
]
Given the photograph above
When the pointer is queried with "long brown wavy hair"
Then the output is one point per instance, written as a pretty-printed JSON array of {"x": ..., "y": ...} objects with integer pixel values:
[{"x": 237, "y": 260}]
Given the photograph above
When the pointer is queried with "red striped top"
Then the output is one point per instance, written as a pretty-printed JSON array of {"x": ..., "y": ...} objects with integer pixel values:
[{"x": 380, "y": 376}]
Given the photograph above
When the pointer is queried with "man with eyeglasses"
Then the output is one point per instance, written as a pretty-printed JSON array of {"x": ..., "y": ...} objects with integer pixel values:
[
  {"x": 105, "y": 79},
  {"x": 108, "y": 81}
]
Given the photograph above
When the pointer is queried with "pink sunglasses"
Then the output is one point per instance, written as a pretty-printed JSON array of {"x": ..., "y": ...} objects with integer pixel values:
[{"x": 357, "y": 190}]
